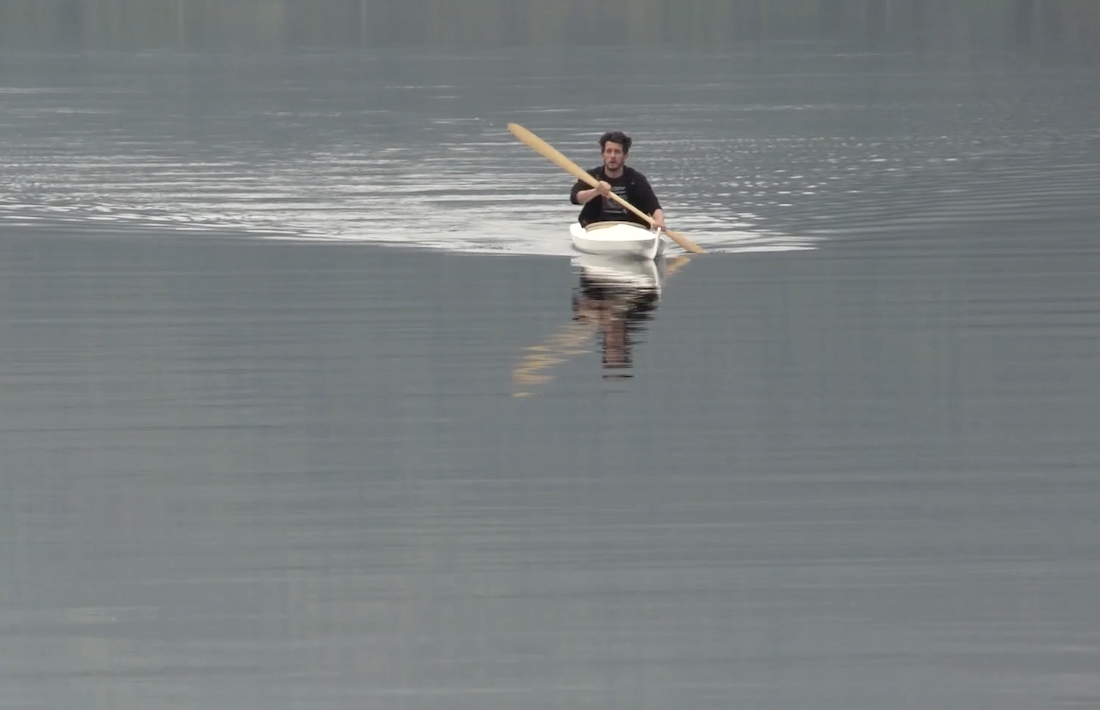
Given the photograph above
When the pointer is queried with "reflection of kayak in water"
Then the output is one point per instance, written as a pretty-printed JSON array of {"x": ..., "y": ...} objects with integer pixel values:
[
  {"x": 628, "y": 273},
  {"x": 612, "y": 303},
  {"x": 623, "y": 239},
  {"x": 617, "y": 301}
]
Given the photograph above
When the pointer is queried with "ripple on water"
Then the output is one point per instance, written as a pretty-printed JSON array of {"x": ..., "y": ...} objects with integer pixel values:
[{"x": 370, "y": 155}]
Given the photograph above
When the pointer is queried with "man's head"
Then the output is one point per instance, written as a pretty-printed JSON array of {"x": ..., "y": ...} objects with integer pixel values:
[{"x": 614, "y": 145}]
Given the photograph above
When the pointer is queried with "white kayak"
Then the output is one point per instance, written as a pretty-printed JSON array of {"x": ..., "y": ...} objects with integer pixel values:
[{"x": 622, "y": 239}]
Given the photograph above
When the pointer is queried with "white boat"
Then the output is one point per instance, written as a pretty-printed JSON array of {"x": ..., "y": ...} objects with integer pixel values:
[{"x": 623, "y": 239}]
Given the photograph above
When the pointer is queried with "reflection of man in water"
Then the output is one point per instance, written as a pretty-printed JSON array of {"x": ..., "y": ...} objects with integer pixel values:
[{"x": 619, "y": 312}]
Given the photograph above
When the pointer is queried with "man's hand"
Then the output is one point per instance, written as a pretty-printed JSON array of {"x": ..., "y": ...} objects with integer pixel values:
[
  {"x": 602, "y": 189},
  {"x": 659, "y": 220}
]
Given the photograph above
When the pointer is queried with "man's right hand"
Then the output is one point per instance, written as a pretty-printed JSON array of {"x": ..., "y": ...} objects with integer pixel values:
[{"x": 603, "y": 189}]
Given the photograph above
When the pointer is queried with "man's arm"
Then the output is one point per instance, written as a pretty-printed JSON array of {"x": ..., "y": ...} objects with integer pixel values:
[
  {"x": 659, "y": 217},
  {"x": 648, "y": 202},
  {"x": 582, "y": 194},
  {"x": 580, "y": 197},
  {"x": 647, "y": 199}
]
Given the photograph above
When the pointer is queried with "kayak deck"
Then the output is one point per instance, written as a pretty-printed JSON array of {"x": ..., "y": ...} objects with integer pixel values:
[{"x": 625, "y": 239}]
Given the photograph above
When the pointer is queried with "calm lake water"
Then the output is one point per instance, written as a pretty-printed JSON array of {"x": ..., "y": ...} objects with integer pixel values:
[{"x": 306, "y": 403}]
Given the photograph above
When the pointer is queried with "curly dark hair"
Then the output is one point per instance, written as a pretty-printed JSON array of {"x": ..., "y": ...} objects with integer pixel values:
[{"x": 616, "y": 137}]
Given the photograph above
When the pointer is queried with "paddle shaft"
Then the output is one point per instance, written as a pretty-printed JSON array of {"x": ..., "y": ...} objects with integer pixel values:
[{"x": 554, "y": 156}]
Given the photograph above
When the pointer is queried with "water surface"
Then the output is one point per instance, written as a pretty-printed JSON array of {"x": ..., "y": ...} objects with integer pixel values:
[
  {"x": 756, "y": 150},
  {"x": 277, "y": 433}
]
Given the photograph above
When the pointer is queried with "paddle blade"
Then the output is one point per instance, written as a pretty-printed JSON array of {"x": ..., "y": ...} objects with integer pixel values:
[
  {"x": 550, "y": 153},
  {"x": 686, "y": 243}
]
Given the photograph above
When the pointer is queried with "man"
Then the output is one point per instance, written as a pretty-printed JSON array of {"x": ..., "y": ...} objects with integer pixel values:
[{"x": 615, "y": 176}]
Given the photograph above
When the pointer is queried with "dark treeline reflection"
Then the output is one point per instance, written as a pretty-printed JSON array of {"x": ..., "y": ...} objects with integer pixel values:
[{"x": 1059, "y": 25}]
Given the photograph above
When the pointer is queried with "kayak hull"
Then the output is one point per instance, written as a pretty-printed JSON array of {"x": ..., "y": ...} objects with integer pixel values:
[{"x": 617, "y": 239}]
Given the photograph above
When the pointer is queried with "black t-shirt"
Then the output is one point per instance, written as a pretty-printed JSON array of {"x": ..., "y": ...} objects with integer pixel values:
[{"x": 632, "y": 186}]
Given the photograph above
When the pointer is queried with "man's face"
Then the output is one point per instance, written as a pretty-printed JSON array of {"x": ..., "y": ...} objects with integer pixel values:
[{"x": 613, "y": 156}]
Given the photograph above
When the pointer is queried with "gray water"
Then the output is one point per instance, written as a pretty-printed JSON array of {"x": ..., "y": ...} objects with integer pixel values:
[{"x": 303, "y": 401}]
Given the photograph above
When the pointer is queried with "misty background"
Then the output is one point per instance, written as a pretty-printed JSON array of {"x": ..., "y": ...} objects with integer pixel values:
[{"x": 1069, "y": 27}]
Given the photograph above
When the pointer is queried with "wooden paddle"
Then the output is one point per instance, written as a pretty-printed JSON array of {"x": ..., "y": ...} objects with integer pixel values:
[{"x": 554, "y": 156}]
